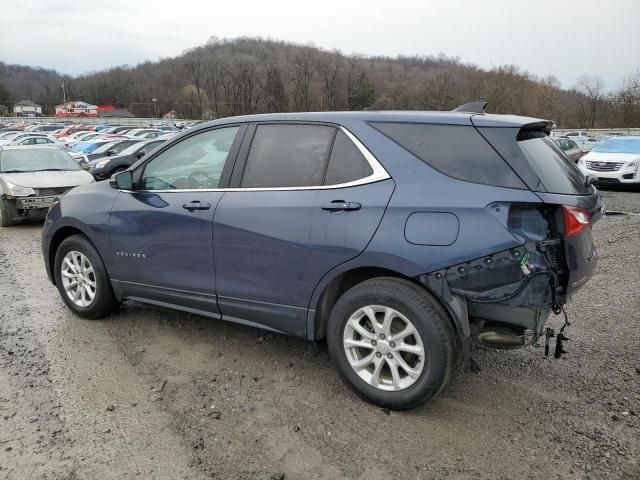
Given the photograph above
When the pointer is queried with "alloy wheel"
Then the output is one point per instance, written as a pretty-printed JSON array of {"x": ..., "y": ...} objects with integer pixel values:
[
  {"x": 384, "y": 348},
  {"x": 78, "y": 279}
]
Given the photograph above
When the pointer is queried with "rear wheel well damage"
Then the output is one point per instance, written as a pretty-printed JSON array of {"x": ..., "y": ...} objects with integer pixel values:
[{"x": 349, "y": 279}]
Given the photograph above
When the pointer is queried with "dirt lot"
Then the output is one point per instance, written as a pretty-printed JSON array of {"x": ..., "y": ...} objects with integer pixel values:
[{"x": 152, "y": 393}]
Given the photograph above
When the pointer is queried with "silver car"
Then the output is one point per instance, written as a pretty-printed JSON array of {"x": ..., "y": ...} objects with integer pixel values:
[
  {"x": 31, "y": 179},
  {"x": 570, "y": 148}
]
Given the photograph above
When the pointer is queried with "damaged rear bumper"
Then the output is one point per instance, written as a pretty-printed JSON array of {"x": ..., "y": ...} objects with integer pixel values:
[{"x": 516, "y": 288}]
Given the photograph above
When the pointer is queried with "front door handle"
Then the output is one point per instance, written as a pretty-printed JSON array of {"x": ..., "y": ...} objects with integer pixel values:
[
  {"x": 196, "y": 205},
  {"x": 341, "y": 206}
]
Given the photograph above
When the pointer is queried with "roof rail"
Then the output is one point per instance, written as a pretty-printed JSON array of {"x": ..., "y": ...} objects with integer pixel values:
[{"x": 472, "y": 107}]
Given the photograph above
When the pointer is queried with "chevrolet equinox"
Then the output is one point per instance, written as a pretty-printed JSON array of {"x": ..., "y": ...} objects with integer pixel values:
[{"x": 399, "y": 237}]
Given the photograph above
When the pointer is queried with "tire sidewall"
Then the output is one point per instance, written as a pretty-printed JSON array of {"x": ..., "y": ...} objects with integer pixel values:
[
  {"x": 430, "y": 324},
  {"x": 6, "y": 214},
  {"x": 104, "y": 294}
]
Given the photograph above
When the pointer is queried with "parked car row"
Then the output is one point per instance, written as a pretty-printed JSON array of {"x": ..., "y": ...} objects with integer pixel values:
[{"x": 86, "y": 143}]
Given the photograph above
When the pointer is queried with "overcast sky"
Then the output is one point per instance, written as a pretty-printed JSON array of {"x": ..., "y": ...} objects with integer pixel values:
[{"x": 567, "y": 38}]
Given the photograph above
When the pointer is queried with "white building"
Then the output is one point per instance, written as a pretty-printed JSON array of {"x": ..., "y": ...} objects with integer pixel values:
[
  {"x": 76, "y": 109},
  {"x": 27, "y": 108}
]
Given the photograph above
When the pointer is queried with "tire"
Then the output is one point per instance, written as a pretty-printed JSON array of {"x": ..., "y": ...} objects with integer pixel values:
[
  {"x": 7, "y": 212},
  {"x": 406, "y": 304},
  {"x": 95, "y": 279}
]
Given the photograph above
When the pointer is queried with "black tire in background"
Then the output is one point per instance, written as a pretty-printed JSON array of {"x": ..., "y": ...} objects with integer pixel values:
[
  {"x": 7, "y": 212},
  {"x": 104, "y": 302},
  {"x": 427, "y": 316}
]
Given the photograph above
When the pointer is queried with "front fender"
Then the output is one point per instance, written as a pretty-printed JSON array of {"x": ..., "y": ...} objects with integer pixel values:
[{"x": 84, "y": 210}]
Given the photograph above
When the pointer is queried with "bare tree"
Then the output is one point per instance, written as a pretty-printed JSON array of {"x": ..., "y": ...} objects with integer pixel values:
[
  {"x": 437, "y": 90},
  {"x": 592, "y": 87},
  {"x": 628, "y": 98},
  {"x": 303, "y": 72},
  {"x": 276, "y": 95},
  {"x": 195, "y": 65},
  {"x": 330, "y": 68}
]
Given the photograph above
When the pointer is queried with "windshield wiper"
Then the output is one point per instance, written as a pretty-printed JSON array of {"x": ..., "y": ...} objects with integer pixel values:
[
  {"x": 54, "y": 170},
  {"x": 14, "y": 171}
]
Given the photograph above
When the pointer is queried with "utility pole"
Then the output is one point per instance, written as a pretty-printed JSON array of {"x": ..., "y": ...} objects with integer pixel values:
[{"x": 64, "y": 98}]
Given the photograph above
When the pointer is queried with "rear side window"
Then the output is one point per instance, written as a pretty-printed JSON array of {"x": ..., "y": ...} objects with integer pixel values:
[
  {"x": 456, "y": 150},
  {"x": 346, "y": 163},
  {"x": 557, "y": 173},
  {"x": 287, "y": 156}
]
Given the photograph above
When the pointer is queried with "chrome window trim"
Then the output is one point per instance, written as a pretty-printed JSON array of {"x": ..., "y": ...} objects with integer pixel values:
[{"x": 379, "y": 173}]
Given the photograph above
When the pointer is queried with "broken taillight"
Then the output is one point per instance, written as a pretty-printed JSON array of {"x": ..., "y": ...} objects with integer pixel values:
[{"x": 576, "y": 219}]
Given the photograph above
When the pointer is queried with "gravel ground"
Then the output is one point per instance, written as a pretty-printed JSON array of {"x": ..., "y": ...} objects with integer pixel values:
[{"x": 152, "y": 393}]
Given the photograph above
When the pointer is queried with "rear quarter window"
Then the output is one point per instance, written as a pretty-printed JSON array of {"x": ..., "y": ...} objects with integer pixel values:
[
  {"x": 458, "y": 151},
  {"x": 557, "y": 173}
]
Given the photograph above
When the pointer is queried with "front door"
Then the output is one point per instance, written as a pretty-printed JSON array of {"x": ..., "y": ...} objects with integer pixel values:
[
  {"x": 161, "y": 232},
  {"x": 308, "y": 201}
]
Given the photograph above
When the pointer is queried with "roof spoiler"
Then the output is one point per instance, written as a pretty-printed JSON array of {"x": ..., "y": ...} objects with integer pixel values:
[
  {"x": 472, "y": 107},
  {"x": 544, "y": 125}
]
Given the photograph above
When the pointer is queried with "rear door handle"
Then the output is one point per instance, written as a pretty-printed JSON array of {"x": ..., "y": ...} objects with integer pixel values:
[
  {"x": 196, "y": 205},
  {"x": 341, "y": 206}
]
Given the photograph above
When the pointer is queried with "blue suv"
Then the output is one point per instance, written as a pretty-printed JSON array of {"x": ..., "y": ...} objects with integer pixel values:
[{"x": 392, "y": 235}]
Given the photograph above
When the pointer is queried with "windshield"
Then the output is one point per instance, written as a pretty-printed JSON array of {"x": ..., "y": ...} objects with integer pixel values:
[
  {"x": 619, "y": 145},
  {"x": 132, "y": 149},
  {"x": 104, "y": 148},
  {"x": 34, "y": 160}
]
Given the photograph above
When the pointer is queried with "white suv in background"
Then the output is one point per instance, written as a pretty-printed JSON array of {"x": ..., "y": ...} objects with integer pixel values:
[
  {"x": 580, "y": 136},
  {"x": 615, "y": 161}
]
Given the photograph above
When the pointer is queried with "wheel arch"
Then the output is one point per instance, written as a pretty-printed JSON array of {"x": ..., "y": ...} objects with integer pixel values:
[
  {"x": 58, "y": 237},
  {"x": 344, "y": 280}
]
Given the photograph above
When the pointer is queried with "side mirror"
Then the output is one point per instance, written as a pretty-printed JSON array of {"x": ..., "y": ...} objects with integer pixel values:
[
  {"x": 141, "y": 154},
  {"x": 110, "y": 153},
  {"x": 590, "y": 179},
  {"x": 122, "y": 180}
]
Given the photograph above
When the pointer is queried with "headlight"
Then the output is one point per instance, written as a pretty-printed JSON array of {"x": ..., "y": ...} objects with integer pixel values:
[
  {"x": 634, "y": 163},
  {"x": 18, "y": 191},
  {"x": 582, "y": 162},
  {"x": 101, "y": 164}
]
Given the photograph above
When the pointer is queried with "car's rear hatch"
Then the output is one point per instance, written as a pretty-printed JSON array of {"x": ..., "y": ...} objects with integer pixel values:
[{"x": 571, "y": 205}]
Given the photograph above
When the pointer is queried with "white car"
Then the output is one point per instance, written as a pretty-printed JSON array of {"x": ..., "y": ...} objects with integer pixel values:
[
  {"x": 587, "y": 144},
  {"x": 616, "y": 161},
  {"x": 14, "y": 139},
  {"x": 31, "y": 179},
  {"x": 37, "y": 141},
  {"x": 578, "y": 136}
]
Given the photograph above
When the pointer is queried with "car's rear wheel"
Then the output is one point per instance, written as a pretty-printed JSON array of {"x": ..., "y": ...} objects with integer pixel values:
[
  {"x": 82, "y": 279},
  {"x": 7, "y": 211},
  {"x": 392, "y": 342}
]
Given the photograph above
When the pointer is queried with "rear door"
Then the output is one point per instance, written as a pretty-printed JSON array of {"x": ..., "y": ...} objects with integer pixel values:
[
  {"x": 307, "y": 197},
  {"x": 161, "y": 232}
]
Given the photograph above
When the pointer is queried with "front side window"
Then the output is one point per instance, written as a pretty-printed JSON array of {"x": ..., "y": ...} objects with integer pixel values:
[
  {"x": 288, "y": 156},
  {"x": 193, "y": 163}
]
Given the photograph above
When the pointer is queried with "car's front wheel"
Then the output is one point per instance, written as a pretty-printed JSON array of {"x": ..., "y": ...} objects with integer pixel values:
[
  {"x": 391, "y": 342},
  {"x": 82, "y": 279},
  {"x": 7, "y": 211}
]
